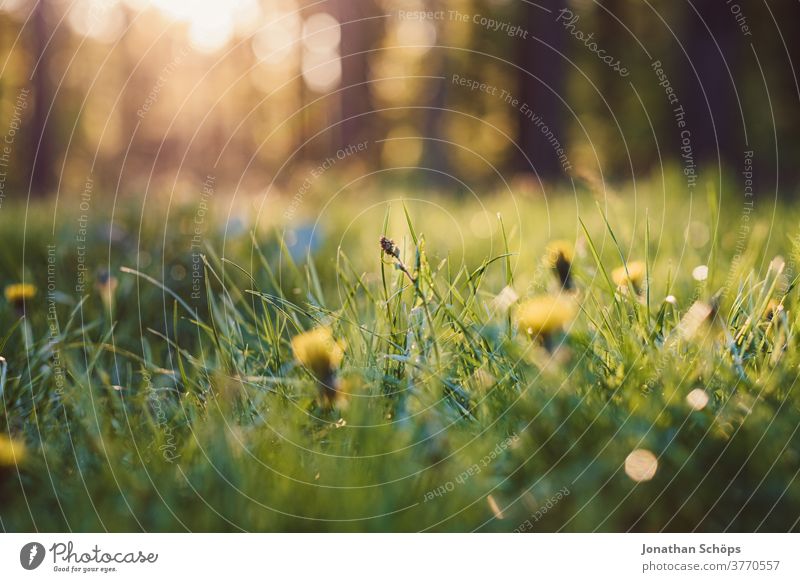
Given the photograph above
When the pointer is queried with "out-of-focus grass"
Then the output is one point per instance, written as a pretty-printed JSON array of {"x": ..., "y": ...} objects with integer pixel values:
[{"x": 183, "y": 407}]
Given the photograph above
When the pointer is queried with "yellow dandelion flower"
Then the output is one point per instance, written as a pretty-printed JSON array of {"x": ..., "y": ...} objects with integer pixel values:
[
  {"x": 634, "y": 275},
  {"x": 12, "y": 451},
  {"x": 321, "y": 354},
  {"x": 544, "y": 315},
  {"x": 18, "y": 293},
  {"x": 318, "y": 351},
  {"x": 559, "y": 256}
]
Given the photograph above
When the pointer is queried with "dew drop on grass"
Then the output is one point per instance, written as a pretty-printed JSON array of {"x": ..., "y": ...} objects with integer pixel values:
[
  {"x": 700, "y": 273},
  {"x": 697, "y": 399},
  {"x": 641, "y": 465}
]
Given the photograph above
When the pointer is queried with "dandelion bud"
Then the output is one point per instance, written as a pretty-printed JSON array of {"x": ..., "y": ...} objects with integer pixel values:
[
  {"x": 559, "y": 256},
  {"x": 774, "y": 307}
]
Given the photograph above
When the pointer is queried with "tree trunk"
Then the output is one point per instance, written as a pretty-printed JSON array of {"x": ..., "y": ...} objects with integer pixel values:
[
  {"x": 540, "y": 83},
  {"x": 712, "y": 115},
  {"x": 40, "y": 144},
  {"x": 358, "y": 35}
]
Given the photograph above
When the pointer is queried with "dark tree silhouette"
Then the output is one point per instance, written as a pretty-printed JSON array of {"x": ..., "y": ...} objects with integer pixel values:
[
  {"x": 435, "y": 155},
  {"x": 40, "y": 143},
  {"x": 359, "y": 33},
  {"x": 710, "y": 40},
  {"x": 540, "y": 83}
]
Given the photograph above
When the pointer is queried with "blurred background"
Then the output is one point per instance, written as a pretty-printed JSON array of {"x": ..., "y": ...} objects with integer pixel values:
[
  {"x": 189, "y": 184},
  {"x": 135, "y": 96}
]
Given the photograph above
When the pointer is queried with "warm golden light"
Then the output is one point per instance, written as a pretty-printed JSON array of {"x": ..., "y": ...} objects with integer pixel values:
[
  {"x": 103, "y": 21},
  {"x": 321, "y": 72},
  {"x": 321, "y": 33},
  {"x": 416, "y": 36},
  {"x": 212, "y": 24},
  {"x": 276, "y": 41}
]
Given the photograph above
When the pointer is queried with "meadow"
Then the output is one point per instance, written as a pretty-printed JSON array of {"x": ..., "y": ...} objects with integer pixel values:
[{"x": 590, "y": 361}]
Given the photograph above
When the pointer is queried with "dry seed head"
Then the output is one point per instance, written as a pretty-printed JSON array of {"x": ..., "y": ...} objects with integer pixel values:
[{"x": 388, "y": 247}]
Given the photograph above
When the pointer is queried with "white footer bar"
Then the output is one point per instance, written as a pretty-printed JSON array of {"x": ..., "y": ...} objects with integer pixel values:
[{"x": 401, "y": 557}]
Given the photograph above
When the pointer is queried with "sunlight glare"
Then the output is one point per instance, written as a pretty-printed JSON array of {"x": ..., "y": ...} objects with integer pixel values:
[
  {"x": 321, "y": 33},
  {"x": 13, "y": 5},
  {"x": 211, "y": 23},
  {"x": 321, "y": 72},
  {"x": 210, "y": 31},
  {"x": 100, "y": 21},
  {"x": 277, "y": 40}
]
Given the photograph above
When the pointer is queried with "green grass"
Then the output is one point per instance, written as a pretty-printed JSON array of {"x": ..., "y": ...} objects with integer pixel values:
[{"x": 175, "y": 412}]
